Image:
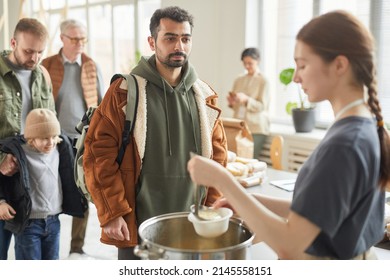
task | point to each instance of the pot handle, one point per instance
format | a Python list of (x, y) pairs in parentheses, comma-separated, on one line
[(242, 224), (146, 252)]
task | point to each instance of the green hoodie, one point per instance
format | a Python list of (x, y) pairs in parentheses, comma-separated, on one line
[(173, 130)]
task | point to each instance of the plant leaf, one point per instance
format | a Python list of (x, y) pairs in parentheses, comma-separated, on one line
[(286, 76), (290, 106)]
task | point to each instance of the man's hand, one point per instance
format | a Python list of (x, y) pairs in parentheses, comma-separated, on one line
[(6, 211), (117, 229), (9, 166)]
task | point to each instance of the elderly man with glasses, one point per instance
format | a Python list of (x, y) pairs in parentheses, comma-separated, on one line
[(77, 85)]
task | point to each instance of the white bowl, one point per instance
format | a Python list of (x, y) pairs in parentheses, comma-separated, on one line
[(213, 227)]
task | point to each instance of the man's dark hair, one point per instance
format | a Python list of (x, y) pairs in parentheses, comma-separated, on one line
[(174, 13), (251, 52)]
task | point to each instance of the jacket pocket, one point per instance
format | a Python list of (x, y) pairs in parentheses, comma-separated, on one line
[(8, 121), (46, 99), (5, 102)]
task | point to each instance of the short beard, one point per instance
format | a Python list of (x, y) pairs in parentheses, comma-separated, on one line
[(175, 64), (23, 65)]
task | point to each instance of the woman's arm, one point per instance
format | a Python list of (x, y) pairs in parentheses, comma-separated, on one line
[(280, 206), (288, 235)]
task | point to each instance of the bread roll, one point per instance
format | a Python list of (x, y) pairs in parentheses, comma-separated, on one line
[(256, 166), (232, 156), (238, 169), (253, 180), (245, 160)]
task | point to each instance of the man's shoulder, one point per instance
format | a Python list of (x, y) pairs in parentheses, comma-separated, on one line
[(86, 58), (4, 68), (51, 57), (45, 72), (141, 81), (203, 88)]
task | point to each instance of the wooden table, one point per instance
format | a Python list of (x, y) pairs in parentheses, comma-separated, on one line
[(268, 189)]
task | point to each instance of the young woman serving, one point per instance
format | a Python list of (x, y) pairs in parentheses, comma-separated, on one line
[(338, 204)]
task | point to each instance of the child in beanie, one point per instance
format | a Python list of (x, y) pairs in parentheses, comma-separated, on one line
[(45, 187), (42, 130)]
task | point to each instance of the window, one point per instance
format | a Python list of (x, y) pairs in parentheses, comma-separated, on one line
[(285, 18), (380, 25), (282, 21), (115, 38)]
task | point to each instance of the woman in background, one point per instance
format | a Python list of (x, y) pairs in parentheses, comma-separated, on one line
[(337, 210), (249, 99)]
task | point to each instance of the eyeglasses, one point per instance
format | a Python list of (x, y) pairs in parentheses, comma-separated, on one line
[(75, 40)]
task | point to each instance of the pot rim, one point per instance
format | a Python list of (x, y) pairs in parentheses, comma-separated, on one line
[(233, 219)]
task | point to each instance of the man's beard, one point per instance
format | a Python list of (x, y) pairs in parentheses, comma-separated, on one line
[(27, 65), (175, 63)]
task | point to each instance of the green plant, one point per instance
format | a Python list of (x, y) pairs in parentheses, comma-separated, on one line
[(286, 77)]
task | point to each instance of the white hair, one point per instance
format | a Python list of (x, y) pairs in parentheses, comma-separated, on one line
[(71, 23)]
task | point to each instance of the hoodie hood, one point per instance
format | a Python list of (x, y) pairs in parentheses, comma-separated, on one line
[(147, 69)]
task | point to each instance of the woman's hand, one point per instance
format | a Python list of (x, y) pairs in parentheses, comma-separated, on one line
[(232, 100), (242, 98), (222, 202), (204, 171)]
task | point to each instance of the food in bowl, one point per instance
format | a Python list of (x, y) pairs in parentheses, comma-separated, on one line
[(209, 214), (215, 224)]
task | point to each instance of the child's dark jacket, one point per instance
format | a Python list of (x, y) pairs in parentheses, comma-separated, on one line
[(15, 189)]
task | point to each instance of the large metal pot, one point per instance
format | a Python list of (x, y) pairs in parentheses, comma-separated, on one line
[(172, 236)]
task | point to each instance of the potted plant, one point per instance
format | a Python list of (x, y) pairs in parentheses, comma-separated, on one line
[(303, 116)]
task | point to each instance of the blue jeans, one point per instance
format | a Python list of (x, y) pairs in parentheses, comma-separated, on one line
[(5, 240), (40, 240)]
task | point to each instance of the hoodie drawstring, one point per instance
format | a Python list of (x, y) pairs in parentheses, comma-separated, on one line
[(192, 119), (167, 118), (168, 123)]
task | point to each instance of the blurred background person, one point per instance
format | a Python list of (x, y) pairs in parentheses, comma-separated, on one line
[(250, 100)]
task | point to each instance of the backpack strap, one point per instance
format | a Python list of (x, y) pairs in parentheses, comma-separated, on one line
[(131, 111)]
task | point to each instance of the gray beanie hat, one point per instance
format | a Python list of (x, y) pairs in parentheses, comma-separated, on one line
[(41, 123)]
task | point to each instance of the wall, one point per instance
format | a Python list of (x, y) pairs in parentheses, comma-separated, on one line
[(218, 40), (13, 16)]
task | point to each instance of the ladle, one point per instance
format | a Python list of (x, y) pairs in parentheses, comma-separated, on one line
[(195, 209)]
